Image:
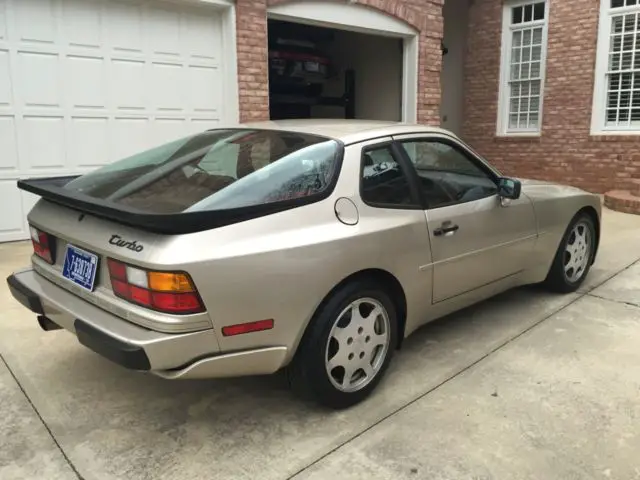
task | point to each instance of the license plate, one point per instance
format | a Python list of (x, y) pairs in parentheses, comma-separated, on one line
[(80, 267)]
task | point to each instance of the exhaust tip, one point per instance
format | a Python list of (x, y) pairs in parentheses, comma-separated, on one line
[(47, 324)]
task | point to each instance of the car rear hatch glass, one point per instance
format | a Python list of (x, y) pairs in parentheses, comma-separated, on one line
[(203, 181)]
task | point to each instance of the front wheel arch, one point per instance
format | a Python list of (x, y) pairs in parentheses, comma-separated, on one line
[(596, 222)]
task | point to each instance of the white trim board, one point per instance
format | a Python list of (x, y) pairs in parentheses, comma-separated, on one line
[(346, 16)]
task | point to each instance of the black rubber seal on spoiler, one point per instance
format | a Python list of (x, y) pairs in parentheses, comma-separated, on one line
[(124, 354), (52, 189), (24, 295)]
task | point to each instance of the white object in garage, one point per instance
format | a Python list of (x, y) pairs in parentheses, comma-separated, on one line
[(86, 82)]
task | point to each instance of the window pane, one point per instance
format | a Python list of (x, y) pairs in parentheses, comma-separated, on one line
[(536, 53), (517, 39), (535, 88), (614, 81), (616, 24), (623, 115), (447, 175), (383, 181), (533, 120), (627, 41), (528, 13), (629, 22), (537, 36), (534, 105), (514, 105), (614, 62), (535, 70), (515, 72), (516, 55), (616, 43), (522, 121), (538, 11), (516, 15), (617, 3)]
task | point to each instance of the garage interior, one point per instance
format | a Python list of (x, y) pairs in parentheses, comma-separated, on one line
[(318, 72)]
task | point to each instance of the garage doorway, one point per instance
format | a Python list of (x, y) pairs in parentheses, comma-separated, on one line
[(329, 60), (317, 72)]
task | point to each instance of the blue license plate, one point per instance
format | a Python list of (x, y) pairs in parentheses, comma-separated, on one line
[(80, 267)]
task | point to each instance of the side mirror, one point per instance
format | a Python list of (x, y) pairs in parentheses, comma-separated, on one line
[(509, 188)]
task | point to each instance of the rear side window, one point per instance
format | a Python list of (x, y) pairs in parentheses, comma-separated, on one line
[(384, 183), (218, 169)]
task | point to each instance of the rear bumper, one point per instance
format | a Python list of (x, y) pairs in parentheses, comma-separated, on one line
[(172, 356)]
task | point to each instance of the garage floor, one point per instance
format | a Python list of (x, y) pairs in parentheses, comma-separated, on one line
[(527, 385)]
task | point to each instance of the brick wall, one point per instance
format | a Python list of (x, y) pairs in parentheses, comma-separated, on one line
[(251, 22), (565, 151)]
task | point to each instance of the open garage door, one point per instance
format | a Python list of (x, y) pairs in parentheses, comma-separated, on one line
[(86, 82), (335, 60)]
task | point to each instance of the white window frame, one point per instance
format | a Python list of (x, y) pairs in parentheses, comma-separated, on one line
[(599, 110), (505, 69)]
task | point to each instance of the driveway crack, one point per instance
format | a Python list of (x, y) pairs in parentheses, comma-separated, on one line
[(623, 302), (55, 440)]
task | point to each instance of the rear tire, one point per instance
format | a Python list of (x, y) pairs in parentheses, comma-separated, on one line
[(574, 257), (347, 347)]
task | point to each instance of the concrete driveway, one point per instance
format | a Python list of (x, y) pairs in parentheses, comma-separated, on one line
[(526, 385)]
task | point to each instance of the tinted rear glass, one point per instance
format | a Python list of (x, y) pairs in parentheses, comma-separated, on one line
[(218, 169)]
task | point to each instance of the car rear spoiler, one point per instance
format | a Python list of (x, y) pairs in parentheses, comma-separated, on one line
[(52, 189)]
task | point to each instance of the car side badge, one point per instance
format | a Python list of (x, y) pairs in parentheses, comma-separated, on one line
[(346, 211)]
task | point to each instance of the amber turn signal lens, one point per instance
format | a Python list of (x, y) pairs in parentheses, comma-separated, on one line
[(170, 282)]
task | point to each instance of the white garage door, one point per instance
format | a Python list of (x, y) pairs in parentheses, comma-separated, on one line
[(83, 83)]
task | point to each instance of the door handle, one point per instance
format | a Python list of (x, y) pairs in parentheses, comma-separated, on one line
[(446, 230)]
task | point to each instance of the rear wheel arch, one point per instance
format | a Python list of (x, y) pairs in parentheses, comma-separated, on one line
[(390, 285)]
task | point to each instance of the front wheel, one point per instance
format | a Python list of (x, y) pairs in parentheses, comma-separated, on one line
[(574, 256), (347, 346)]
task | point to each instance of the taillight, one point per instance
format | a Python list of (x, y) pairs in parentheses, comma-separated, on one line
[(43, 245), (168, 292)]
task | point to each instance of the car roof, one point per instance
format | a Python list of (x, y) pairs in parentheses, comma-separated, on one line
[(347, 131)]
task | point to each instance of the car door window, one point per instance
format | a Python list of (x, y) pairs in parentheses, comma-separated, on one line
[(383, 181), (447, 175)]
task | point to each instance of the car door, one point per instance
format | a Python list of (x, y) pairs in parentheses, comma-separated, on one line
[(476, 237)]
